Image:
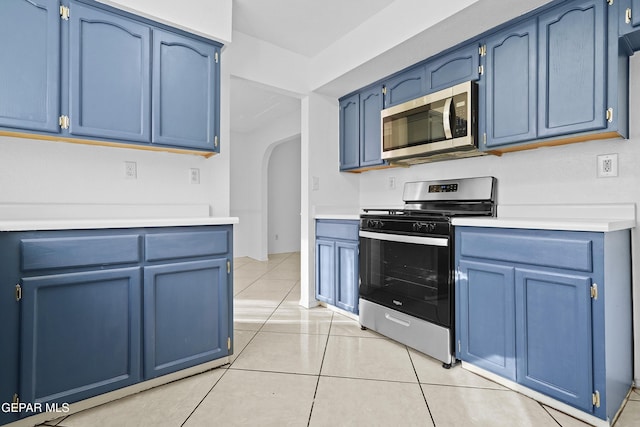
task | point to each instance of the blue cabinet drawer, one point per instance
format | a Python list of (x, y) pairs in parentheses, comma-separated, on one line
[(338, 229), (554, 249), (170, 245), (66, 252)]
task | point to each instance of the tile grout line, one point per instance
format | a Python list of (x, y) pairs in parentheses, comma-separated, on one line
[(324, 353), (415, 371), (226, 370)]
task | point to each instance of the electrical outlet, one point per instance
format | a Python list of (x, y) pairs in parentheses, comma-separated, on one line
[(607, 165), (391, 184), (130, 170), (194, 176)]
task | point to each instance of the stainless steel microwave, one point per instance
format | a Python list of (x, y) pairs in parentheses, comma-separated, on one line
[(437, 126)]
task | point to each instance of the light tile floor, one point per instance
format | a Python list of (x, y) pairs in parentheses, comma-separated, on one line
[(298, 367)]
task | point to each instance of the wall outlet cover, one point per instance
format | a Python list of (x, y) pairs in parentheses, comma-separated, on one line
[(130, 170), (607, 165)]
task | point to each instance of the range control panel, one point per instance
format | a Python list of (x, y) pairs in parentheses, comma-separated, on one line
[(443, 188)]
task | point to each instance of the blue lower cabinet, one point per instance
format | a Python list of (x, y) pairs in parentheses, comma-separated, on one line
[(346, 290), (337, 263), (80, 335), (486, 308), (185, 315), (92, 311), (554, 335), (533, 306), (325, 270)]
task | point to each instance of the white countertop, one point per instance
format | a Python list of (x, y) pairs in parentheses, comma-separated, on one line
[(93, 223), (338, 216), (596, 217)]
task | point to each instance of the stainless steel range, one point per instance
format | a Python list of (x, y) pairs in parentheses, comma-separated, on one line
[(406, 262)]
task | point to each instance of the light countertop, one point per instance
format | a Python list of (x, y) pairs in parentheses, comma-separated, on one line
[(94, 223), (355, 217), (596, 217)]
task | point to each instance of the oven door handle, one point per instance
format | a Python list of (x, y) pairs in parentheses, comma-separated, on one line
[(401, 238)]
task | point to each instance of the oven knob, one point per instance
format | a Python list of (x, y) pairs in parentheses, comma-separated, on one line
[(371, 223), (431, 226), (380, 224)]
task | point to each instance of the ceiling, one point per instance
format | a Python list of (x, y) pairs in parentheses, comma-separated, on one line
[(306, 27)]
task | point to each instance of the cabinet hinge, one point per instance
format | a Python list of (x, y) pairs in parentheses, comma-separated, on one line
[(216, 57), (481, 69), (627, 16), (384, 90), (228, 267), (459, 347), (482, 50), (64, 122), (64, 13), (228, 343), (609, 115), (594, 291), (215, 141), (595, 399), (610, 2), (18, 292), (15, 399), (484, 138)]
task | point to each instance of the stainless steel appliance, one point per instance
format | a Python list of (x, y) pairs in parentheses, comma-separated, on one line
[(406, 262), (438, 126)]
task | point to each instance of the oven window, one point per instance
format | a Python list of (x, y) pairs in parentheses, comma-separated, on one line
[(408, 277)]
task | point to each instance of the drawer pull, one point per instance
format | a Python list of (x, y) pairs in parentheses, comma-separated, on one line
[(395, 320)]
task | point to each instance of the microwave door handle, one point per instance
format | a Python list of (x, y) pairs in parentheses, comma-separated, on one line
[(446, 118)]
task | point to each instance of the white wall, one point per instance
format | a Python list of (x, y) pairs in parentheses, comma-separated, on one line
[(208, 18), (284, 198), (249, 178), (33, 171)]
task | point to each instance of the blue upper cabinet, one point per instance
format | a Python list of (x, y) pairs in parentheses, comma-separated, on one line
[(371, 104), (91, 72), (452, 68), (110, 84), (629, 23), (30, 71), (405, 86), (350, 132), (572, 68), (510, 77), (185, 91)]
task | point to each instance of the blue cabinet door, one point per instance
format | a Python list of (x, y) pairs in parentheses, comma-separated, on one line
[(185, 315), (325, 270), (186, 84), (110, 77), (510, 69), (486, 313), (456, 67), (572, 37), (350, 132), (554, 347), (80, 334), (371, 103), (405, 86), (30, 71), (346, 293)]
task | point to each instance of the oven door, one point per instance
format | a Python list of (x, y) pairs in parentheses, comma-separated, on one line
[(410, 274)]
